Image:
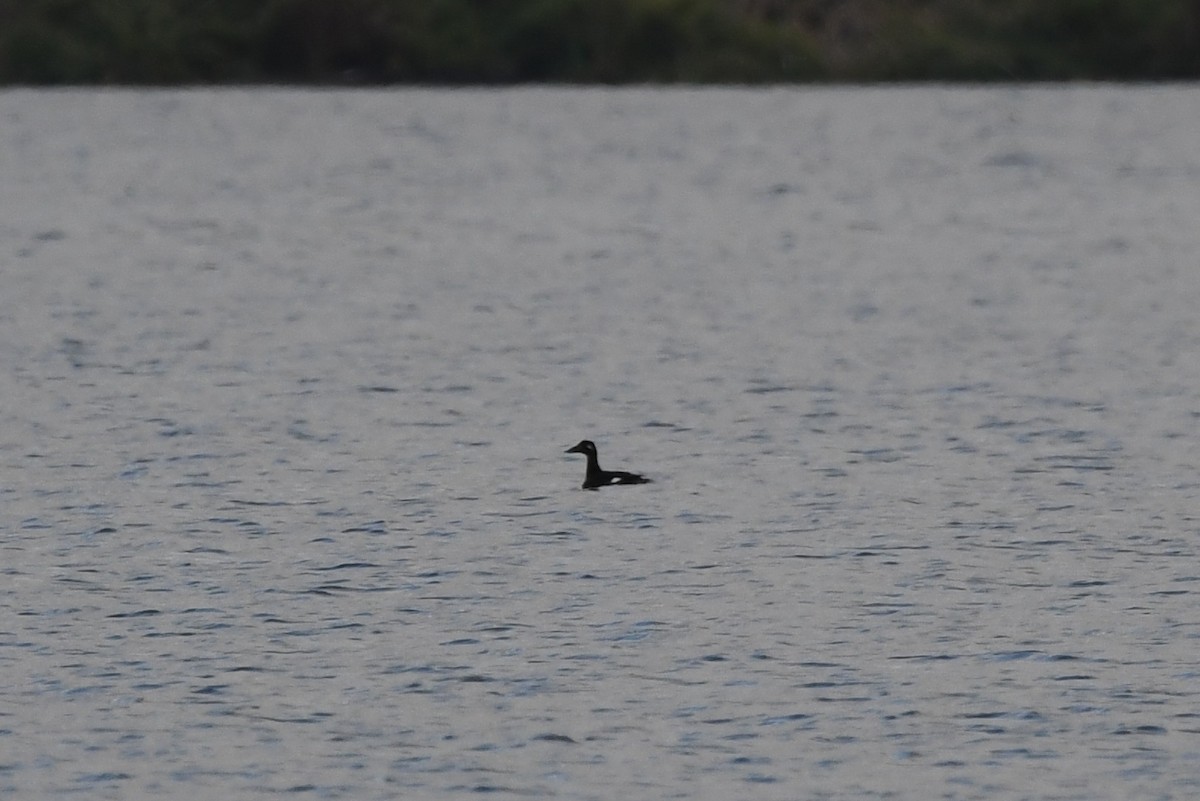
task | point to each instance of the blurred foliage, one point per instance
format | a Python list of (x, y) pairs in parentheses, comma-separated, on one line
[(1029, 40), (593, 41)]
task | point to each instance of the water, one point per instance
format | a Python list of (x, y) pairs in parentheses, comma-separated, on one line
[(288, 376)]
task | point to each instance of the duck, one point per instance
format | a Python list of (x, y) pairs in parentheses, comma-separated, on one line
[(597, 478)]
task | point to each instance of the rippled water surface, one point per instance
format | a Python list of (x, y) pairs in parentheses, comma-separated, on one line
[(288, 377)]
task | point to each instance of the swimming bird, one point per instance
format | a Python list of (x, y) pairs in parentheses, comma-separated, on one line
[(596, 477)]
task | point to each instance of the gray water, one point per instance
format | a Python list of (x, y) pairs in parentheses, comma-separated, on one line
[(287, 378)]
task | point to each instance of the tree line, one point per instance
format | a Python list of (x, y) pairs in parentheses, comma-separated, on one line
[(162, 42)]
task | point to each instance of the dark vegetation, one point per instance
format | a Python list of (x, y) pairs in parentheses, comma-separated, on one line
[(593, 41)]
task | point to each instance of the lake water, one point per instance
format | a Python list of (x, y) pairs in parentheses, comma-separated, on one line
[(288, 376)]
